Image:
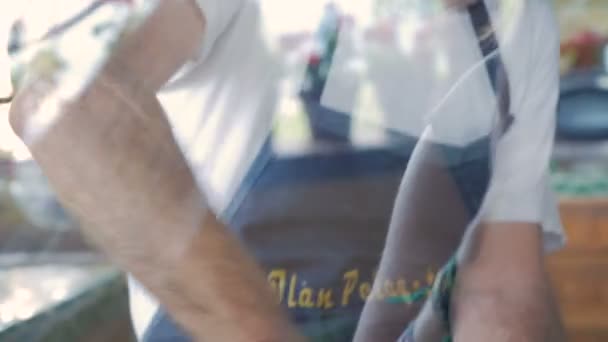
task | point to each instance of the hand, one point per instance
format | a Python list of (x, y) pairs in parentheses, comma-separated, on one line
[(107, 147), (111, 158)]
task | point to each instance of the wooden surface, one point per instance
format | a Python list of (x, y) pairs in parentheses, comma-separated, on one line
[(580, 271)]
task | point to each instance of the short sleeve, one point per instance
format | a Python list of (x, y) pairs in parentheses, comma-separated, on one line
[(218, 15), (519, 190)]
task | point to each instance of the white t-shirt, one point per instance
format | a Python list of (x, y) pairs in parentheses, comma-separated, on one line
[(428, 76)]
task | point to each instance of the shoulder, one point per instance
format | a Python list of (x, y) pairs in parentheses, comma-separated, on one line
[(525, 20), (530, 39), (540, 23)]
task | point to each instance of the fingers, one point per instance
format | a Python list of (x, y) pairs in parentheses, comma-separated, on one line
[(25, 114), (5, 100)]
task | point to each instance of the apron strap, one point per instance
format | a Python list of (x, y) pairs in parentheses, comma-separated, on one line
[(497, 73)]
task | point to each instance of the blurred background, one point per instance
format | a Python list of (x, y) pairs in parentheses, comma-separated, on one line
[(54, 287)]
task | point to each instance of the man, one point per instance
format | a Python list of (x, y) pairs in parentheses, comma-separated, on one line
[(111, 156)]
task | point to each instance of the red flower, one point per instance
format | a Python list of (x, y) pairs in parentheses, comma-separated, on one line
[(314, 59)]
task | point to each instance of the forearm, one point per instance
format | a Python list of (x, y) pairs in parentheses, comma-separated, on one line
[(503, 292), (216, 291), (171, 240), (122, 174), (111, 157), (418, 240), (505, 315), (208, 282)]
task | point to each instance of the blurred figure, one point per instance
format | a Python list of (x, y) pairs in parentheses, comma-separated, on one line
[(198, 77), (326, 125)]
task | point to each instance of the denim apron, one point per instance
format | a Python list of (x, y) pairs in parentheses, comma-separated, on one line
[(303, 219), (282, 236)]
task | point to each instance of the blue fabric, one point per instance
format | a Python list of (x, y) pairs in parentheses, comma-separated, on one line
[(163, 329)]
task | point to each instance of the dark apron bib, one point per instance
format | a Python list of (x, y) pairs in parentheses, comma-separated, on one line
[(317, 223)]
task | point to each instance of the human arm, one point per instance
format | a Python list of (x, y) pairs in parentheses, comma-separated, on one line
[(503, 291), (111, 157), (504, 256), (517, 202)]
